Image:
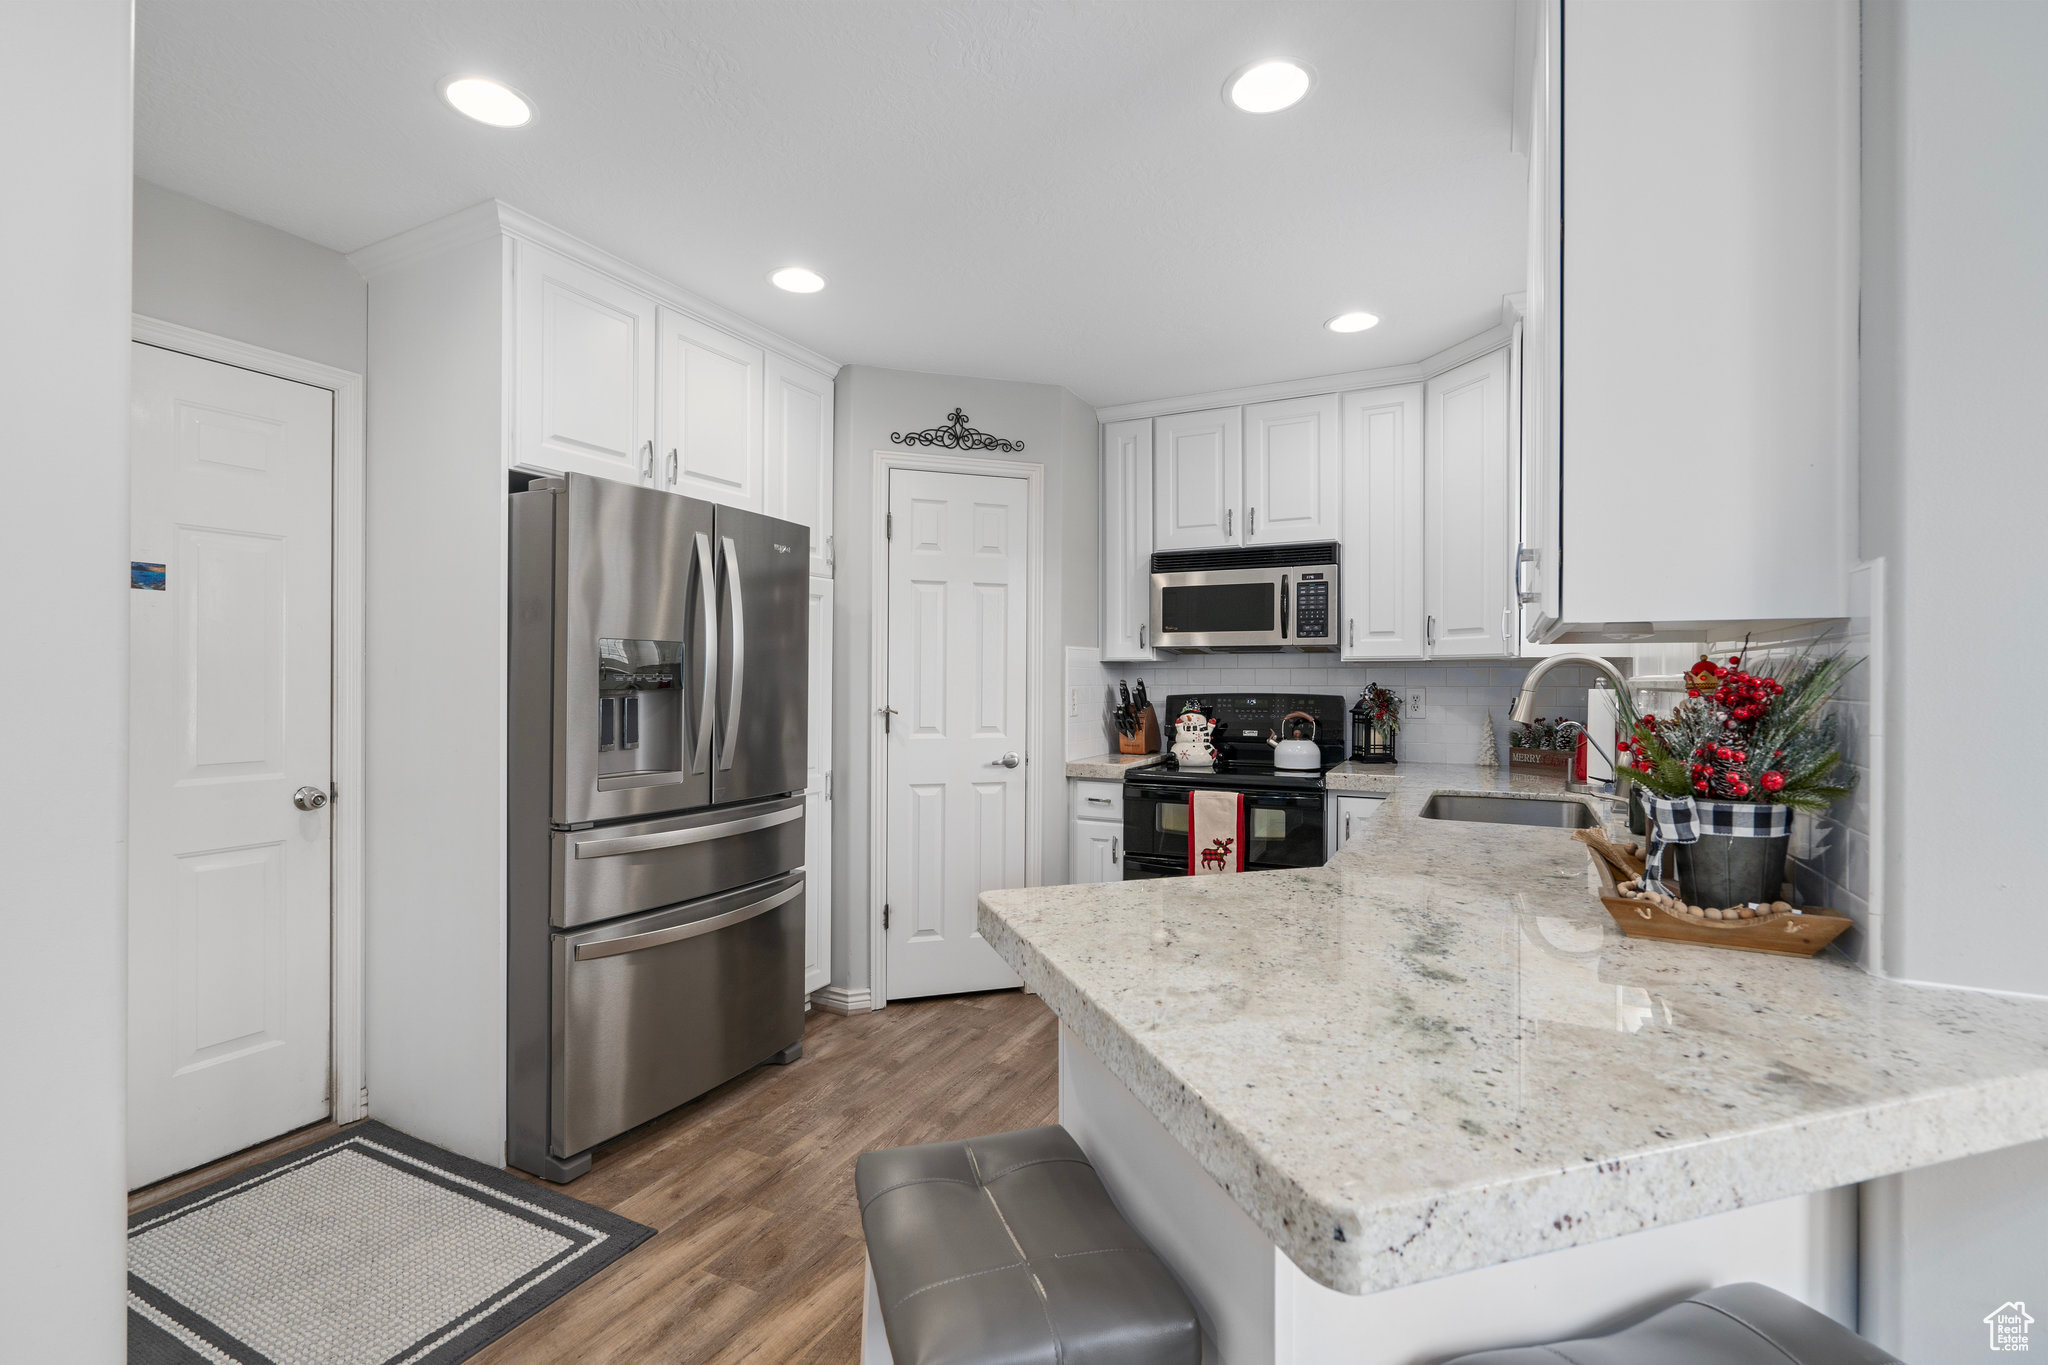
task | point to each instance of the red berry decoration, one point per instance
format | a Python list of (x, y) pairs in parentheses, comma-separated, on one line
[(1699, 786), (1774, 781)]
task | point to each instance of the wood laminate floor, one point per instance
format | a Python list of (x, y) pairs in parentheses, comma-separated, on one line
[(757, 1248)]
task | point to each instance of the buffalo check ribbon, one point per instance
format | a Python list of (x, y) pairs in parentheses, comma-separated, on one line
[(1682, 820)]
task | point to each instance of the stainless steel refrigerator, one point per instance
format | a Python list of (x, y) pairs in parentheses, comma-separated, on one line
[(655, 916)]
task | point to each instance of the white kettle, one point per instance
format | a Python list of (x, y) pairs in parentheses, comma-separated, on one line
[(1297, 754)]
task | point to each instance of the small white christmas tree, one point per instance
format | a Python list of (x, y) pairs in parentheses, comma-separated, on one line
[(1489, 745)]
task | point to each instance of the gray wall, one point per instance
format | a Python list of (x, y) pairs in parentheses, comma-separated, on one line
[(1955, 284), (1058, 431), (210, 269), (64, 97)]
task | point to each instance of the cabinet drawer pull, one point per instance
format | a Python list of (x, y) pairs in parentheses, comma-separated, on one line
[(1098, 800)]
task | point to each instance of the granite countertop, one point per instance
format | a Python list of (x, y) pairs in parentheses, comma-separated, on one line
[(1437, 1052), (1109, 767)]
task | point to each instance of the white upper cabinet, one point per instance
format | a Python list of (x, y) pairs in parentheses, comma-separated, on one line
[(708, 428), (1467, 519), (1382, 528), (1126, 540), (1293, 470), (584, 357), (799, 454), (1198, 479), (1657, 194)]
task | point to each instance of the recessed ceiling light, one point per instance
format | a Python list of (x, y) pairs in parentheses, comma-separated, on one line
[(797, 280), (1268, 87), (1352, 322), (486, 101)]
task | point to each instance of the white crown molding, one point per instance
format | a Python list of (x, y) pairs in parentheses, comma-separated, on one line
[(1492, 339), (497, 218)]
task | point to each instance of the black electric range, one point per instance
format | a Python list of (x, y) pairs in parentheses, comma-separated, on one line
[(1284, 807)]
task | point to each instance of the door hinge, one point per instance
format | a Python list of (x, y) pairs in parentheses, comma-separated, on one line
[(828, 784), (888, 526), (831, 559), (885, 918)]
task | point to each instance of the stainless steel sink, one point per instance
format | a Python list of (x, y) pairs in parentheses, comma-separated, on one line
[(1547, 812)]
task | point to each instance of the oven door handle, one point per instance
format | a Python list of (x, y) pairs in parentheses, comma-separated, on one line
[(633, 943), (679, 838)]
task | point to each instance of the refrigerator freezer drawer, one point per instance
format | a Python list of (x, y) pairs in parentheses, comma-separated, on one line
[(600, 874), (655, 1010)]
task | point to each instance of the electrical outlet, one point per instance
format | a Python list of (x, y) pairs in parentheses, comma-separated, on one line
[(1418, 704), (1073, 701)]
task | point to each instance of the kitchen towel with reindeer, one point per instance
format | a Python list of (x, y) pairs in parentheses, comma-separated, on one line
[(1215, 832)]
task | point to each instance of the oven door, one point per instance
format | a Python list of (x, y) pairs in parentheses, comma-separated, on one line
[(1218, 608), (1282, 828)]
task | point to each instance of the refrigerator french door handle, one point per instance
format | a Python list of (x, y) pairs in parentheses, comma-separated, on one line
[(678, 838), (707, 575), (739, 651), (634, 943)]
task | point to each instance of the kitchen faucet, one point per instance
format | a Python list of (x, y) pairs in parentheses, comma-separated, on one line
[(1525, 700)]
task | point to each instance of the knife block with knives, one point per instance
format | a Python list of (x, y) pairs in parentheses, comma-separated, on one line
[(1137, 728)]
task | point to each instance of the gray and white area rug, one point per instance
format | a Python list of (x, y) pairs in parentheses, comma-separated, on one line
[(366, 1248)]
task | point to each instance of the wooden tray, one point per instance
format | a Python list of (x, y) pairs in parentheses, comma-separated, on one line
[(1800, 935)]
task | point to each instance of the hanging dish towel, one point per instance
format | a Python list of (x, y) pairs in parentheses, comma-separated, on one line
[(1215, 833)]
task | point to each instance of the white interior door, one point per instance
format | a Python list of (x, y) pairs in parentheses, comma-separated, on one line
[(957, 678), (229, 715)]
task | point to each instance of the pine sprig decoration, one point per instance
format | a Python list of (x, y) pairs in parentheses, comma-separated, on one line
[(1761, 734)]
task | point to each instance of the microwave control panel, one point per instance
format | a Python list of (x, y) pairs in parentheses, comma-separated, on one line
[(1312, 608)]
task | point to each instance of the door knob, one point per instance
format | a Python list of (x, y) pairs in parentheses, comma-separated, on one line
[(1009, 760), (309, 798)]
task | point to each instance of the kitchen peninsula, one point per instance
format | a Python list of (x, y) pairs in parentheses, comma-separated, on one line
[(1427, 1099)]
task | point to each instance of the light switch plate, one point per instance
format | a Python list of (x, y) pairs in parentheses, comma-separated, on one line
[(1418, 704)]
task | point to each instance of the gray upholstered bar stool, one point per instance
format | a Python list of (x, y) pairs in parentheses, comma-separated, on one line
[(1736, 1324), (1007, 1248)]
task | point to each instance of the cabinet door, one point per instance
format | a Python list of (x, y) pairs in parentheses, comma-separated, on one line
[(1344, 814), (1198, 480), (1382, 596), (1469, 541), (799, 454), (1126, 540), (818, 795), (583, 363), (1293, 470), (1097, 852), (709, 430)]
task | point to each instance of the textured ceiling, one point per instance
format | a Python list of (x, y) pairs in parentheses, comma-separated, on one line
[(1018, 190)]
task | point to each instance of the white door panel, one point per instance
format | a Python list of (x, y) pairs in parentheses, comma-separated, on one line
[(799, 454), (1383, 541), (818, 796), (1470, 536), (1127, 515), (709, 423), (1293, 470), (585, 396), (229, 714), (957, 604), (1198, 477)]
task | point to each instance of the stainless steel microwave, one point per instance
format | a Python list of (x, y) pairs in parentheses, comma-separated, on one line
[(1246, 597)]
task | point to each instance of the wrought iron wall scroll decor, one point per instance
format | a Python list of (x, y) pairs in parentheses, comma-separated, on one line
[(957, 435)]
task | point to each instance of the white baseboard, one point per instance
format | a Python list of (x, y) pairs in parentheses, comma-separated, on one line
[(843, 999)]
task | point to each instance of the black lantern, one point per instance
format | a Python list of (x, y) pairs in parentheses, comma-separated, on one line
[(1372, 741)]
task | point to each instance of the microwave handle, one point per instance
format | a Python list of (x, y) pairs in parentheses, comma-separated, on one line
[(1283, 606)]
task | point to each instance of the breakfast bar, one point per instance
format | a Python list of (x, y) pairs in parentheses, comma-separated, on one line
[(1349, 1105)]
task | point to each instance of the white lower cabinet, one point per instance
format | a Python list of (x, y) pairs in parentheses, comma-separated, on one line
[(1097, 852), (1343, 816), (1095, 844)]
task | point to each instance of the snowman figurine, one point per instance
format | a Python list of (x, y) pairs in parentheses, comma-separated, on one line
[(1191, 746)]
